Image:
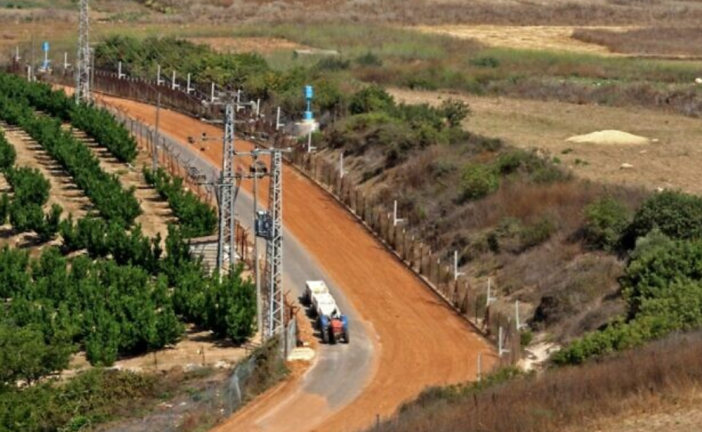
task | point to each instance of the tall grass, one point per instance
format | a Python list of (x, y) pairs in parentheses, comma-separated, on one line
[(561, 398)]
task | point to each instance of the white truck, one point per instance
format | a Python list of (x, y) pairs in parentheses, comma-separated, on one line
[(333, 325)]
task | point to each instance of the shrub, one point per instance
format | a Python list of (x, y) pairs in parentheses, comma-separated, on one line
[(605, 222), (536, 234), (369, 59), (455, 111), (8, 155), (370, 99), (478, 181), (485, 62), (676, 214)]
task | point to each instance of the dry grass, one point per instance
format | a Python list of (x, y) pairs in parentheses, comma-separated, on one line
[(562, 398), (682, 42)]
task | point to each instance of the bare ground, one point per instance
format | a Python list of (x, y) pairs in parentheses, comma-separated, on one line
[(671, 161), (156, 214), (550, 38)]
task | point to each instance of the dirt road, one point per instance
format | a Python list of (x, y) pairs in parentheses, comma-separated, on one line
[(419, 342)]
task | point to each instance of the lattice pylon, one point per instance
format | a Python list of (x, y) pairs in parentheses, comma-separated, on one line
[(226, 245), (275, 307)]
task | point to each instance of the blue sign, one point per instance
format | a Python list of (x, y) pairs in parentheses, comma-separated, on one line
[(309, 93), (45, 47)]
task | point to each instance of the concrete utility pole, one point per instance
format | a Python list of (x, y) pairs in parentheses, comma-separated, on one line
[(157, 137), (83, 63)]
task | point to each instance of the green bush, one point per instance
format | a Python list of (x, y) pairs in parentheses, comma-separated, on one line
[(605, 222), (455, 111), (369, 59), (478, 181), (8, 155), (371, 99), (231, 307), (677, 215), (536, 234), (663, 289)]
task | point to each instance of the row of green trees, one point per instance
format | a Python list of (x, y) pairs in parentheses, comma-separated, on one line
[(98, 123), (30, 194), (104, 190), (195, 217)]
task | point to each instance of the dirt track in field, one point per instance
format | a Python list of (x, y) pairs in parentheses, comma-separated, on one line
[(420, 341)]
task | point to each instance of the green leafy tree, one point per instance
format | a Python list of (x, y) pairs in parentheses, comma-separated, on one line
[(478, 181), (371, 99), (605, 223), (26, 356)]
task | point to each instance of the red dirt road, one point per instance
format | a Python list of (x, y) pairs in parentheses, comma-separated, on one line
[(420, 341)]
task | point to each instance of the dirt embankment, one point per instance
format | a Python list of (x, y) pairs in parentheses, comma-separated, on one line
[(420, 342)]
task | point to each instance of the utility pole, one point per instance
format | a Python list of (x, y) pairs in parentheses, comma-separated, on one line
[(227, 231), (83, 60), (274, 248), (157, 137), (257, 265)]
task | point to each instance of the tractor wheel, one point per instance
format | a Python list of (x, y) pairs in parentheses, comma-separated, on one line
[(346, 336), (332, 337), (325, 335)]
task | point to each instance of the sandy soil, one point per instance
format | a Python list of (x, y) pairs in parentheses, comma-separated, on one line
[(156, 214), (420, 341), (253, 44), (551, 38), (610, 137), (196, 349), (671, 161)]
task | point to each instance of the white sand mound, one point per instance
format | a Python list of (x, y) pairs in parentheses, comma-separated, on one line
[(610, 137)]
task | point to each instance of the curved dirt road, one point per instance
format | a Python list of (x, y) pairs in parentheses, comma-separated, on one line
[(419, 341)]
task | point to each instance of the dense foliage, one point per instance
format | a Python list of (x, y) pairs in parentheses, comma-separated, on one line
[(204, 64), (663, 289), (106, 308), (96, 122), (104, 190), (605, 224), (195, 217), (675, 214)]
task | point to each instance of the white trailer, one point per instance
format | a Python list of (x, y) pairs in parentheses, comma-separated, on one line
[(331, 322)]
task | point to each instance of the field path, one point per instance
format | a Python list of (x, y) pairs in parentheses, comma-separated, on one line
[(418, 340)]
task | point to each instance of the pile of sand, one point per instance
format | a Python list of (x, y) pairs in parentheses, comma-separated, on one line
[(610, 137)]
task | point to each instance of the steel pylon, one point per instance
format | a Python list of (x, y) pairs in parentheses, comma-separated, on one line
[(275, 318), (226, 244)]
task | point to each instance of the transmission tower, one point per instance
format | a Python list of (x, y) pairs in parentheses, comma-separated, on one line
[(274, 248), (83, 58), (227, 232)]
